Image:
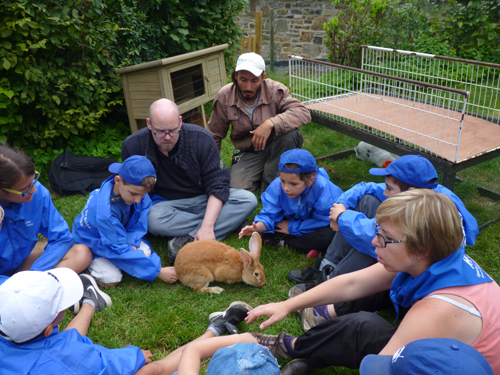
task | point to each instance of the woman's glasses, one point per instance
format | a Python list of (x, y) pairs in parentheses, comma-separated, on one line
[(382, 241)]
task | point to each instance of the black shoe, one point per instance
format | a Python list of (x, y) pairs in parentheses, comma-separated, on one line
[(175, 244), (92, 291), (307, 275), (297, 366), (275, 343), (221, 322)]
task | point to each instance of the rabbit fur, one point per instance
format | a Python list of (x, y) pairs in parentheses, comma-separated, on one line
[(199, 263)]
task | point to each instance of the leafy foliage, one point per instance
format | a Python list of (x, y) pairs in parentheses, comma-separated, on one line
[(57, 61), (448, 29)]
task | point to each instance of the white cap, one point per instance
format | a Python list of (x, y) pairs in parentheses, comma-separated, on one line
[(31, 300), (251, 62)]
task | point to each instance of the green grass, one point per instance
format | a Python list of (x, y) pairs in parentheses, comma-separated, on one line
[(161, 317)]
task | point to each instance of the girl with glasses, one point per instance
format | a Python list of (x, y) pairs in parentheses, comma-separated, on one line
[(29, 211)]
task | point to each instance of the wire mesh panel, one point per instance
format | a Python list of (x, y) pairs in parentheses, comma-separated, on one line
[(481, 80), (423, 116)]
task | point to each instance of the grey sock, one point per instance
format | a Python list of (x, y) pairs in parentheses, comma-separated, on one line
[(89, 301)]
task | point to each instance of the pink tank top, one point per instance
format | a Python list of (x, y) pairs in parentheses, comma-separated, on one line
[(486, 298)]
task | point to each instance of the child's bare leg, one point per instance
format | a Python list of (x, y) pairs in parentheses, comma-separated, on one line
[(81, 322), (77, 258)]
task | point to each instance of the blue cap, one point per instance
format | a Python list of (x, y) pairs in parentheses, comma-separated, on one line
[(428, 357), (412, 169), (303, 158), (134, 169), (247, 359)]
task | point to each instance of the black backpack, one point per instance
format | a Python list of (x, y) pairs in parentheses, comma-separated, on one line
[(72, 174)]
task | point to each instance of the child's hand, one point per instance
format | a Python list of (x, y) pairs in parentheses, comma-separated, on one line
[(148, 355), (282, 227), (168, 275), (248, 230)]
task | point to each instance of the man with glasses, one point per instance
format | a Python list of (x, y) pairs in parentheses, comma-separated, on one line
[(353, 217), (192, 199), (264, 121)]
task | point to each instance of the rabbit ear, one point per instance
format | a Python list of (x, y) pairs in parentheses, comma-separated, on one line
[(246, 258), (255, 244)]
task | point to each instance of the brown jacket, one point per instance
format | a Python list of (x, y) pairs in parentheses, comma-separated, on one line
[(274, 103)]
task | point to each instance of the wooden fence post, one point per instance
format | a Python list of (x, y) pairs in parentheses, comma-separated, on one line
[(258, 32)]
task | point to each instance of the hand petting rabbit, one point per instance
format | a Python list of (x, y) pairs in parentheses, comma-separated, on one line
[(201, 262)]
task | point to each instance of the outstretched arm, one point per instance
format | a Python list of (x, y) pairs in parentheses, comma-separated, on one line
[(342, 288)]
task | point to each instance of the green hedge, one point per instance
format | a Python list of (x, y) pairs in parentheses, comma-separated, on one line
[(57, 60)]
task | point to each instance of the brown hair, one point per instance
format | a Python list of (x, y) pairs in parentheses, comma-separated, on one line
[(304, 176), (14, 164), (148, 182), (429, 221), (403, 186)]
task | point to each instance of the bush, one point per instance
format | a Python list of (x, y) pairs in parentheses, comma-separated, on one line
[(57, 61)]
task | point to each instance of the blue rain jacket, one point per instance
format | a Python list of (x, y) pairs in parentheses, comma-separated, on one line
[(103, 232), (67, 353), (20, 228), (306, 212), (359, 231)]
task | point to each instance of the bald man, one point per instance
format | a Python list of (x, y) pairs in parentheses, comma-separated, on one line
[(192, 199)]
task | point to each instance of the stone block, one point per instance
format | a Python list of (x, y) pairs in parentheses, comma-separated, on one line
[(306, 37), (312, 49), (291, 50), (318, 23), (318, 40), (288, 6), (281, 25), (330, 12), (281, 12), (293, 35), (295, 11), (308, 22)]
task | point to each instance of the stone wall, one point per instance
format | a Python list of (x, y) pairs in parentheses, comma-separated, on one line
[(298, 26)]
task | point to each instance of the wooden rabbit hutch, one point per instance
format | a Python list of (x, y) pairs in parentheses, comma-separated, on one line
[(190, 80), (445, 109)]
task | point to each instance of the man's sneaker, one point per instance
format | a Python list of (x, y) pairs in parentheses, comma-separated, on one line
[(307, 316), (275, 343), (175, 244), (307, 275), (92, 291), (221, 322)]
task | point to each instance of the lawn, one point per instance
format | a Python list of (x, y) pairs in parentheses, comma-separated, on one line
[(161, 317)]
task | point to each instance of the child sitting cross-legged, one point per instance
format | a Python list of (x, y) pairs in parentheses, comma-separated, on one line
[(113, 224), (296, 205)]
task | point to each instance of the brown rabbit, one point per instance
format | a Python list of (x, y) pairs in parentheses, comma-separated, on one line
[(201, 262)]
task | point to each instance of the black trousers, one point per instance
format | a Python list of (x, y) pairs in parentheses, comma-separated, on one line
[(344, 341), (318, 240)]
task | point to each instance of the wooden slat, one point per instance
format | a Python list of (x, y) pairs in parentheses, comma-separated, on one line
[(153, 95), (144, 87), (144, 77)]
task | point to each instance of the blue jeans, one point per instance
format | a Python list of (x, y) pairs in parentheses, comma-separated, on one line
[(184, 216)]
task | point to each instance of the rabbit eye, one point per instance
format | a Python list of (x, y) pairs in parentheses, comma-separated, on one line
[(256, 274)]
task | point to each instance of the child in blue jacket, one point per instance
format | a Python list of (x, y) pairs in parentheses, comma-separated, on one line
[(32, 304), (113, 224), (296, 205), (29, 211)]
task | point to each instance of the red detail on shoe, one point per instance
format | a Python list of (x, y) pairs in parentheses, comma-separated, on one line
[(313, 254)]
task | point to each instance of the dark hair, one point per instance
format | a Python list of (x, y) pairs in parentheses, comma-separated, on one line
[(233, 76), (403, 186), (14, 164), (304, 176)]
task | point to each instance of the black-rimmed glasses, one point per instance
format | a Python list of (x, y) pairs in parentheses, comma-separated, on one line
[(382, 241)]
